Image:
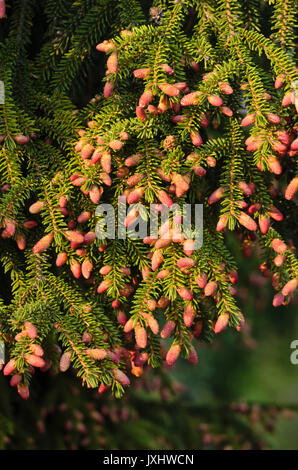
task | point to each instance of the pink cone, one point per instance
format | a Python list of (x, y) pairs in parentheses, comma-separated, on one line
[(221, 323)]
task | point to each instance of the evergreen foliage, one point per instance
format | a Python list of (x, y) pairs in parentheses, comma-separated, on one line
[(197, 105)]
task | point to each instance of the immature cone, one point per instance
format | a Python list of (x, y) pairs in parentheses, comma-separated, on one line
[(278, 300), (30, 330), (15, 380), (181, 184), (279, 81), (96, 354), (273, 118), (157, 259), (108, 89), (216, 195), (274, 165), (141, 73), (153, 109), (63, 201), (115, 144), (35, 361), (247, 222), (106, 179), (86, 337), (133, 160), (87, 267), (2, 9), (135, 195), (87, 151), (196, 139), (167, 329), (20, 336), (103, 286), (185, 293), (233, 276), (151, 304), (189, 315), (106, 162), (102, 389), (164, 198), (96, 156), (215, 100), (201, 280), (248, 120), (21, 241), (188, 246), (170, 142), (36, 349), (189, 99), (89, 237), (121, 377), (182, 86), (241, 322), (10, 227), (279, 260), (75, 268), (105, 46), (104, 270), (170, 90), (121, 318), (141, 336), (294, 145), (122, 171), (254, 145), (131, 218), (129, 325), (222, 223), (23, 391), (279, 148), (36, 207), (84, 217), (65, 361), (287, 99), (283, 137), (153, 324), (193, 357), (112, 62), (163, 302), (275, 214), (135, 179), (210, 288), (140, 359), (225, 88), (173, 354), (167, 69), (226, 111), (10, 367), (185, 263), (278, 245), (290, 287), (75, 237), (178, 118), (292, 188), (264, 223), (95, 194), (199, 171), (146, 98), (140, 113), (78, 180), (221, 323), (21, 139)]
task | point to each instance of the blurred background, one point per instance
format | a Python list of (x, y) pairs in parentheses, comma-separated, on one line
[(241, 395)]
